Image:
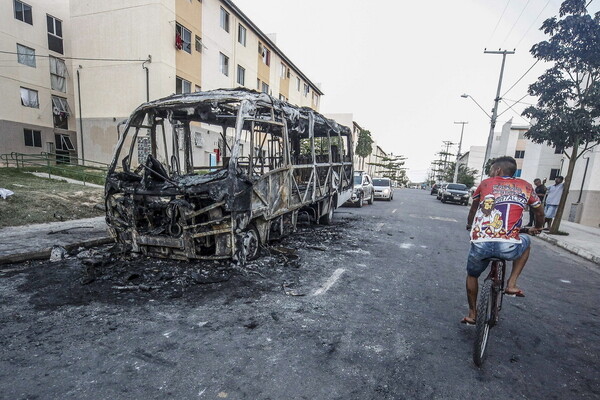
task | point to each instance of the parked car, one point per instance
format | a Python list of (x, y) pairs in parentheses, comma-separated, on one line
[(383, 188), (456, 193), (441, 190), (363, 189)]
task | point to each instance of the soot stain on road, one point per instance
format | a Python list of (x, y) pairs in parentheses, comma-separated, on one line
[(105, 275)]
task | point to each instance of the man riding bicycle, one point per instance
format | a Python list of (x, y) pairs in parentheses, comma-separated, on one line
[(495, 220)]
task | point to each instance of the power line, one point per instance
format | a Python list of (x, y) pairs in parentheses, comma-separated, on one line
[(510, 107), (74, 58), (522, 76), (499, 19), (534, 21), (515, 24)]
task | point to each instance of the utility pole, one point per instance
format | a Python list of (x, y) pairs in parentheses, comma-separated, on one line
[(488, 147), (463, 123), (447, 143)]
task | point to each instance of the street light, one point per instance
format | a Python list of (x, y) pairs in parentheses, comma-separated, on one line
[(464, 96)]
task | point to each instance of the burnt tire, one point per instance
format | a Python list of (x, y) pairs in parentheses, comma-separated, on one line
[(483, 323), (251, 243), (327, 219)]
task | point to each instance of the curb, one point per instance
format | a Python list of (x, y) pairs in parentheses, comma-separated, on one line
[(45, 253), (570, 248)]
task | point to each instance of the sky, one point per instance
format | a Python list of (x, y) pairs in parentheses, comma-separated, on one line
[(400, 67)]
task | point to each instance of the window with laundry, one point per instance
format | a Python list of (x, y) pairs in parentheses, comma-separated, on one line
[(25, 55), (61, 112), (224, 64), (58, 74), (264, 53), (183, 38), (55, 34), (29, 98)]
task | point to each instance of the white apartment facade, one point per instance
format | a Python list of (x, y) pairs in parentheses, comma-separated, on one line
[(36, 79), (125, 52)]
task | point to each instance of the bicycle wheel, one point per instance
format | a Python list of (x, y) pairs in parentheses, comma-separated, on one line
[(483, 322)]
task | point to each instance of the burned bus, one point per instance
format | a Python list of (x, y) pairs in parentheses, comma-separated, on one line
[(269, 162)]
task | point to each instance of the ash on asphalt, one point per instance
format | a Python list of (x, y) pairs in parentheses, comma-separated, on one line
[(103, 274)]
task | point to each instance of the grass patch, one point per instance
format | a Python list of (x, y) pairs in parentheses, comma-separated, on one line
[(78, 172), (38, 200)]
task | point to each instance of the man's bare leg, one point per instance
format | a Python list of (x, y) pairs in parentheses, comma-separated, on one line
[(517, 267), (472, 289)]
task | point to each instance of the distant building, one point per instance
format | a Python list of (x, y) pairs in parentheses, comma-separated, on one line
[(545, 162), (473, 159)]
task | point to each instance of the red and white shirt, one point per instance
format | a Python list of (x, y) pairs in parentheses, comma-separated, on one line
[(502, 201)]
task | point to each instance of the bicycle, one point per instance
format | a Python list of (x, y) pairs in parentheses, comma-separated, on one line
[(488, 307), (489, 304)]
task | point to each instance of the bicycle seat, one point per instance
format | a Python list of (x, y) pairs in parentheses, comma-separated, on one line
[(495, 259)]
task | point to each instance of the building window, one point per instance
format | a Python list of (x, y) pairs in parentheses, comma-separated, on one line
[(63, 142), (558, 149), (32, 138), (25, 55), (517, 173), (257, 84), (265, 88), (58, 74), (61, 112), (199, 44), (282, 97), (284, 71), (197, 88), (224, 64), (224, 19), (520, 154), (182, 86), (55, 42), (241, 75), (23, 12), (29, 98), (306, 90), (242, 35), (554, 172), (317, 100), (264, 53), (183, 38)]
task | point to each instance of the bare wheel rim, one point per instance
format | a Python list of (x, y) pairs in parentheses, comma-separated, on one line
[(251, 243)]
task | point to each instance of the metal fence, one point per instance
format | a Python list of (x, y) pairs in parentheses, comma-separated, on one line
[(62, 165)]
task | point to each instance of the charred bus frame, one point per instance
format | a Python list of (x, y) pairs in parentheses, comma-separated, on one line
[(279, 161)]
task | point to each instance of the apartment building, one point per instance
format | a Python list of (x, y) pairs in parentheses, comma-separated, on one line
[(473, 159), (545, 162), (36, 79), (125, 52)]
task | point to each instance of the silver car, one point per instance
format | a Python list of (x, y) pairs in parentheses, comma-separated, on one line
[(383, 188)]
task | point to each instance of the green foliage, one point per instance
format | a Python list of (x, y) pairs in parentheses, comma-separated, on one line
[(364, 143), (391, 167), (568, 93), (466, 175)]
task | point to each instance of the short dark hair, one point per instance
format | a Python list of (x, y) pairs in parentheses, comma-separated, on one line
[(560, 177), (507, 164)]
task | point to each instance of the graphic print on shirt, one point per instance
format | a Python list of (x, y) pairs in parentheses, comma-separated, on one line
[(499, 216)]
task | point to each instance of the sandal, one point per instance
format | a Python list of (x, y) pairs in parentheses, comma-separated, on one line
[(468, 321)]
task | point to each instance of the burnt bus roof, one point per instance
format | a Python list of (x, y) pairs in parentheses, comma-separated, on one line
[(203, 104)]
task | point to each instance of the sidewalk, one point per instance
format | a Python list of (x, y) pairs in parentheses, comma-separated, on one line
[(34, 242), (582, 240)]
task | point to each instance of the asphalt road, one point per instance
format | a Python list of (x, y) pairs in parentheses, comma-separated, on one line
[(368, 308)]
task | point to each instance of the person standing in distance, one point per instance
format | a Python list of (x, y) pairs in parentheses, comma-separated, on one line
[(553, 195), (540, 190)]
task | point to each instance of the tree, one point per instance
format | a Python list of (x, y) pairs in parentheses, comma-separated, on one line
[(391, 167), (568, 105), (466, 175), (364, 145)]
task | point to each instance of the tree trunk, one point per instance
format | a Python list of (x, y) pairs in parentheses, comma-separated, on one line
[(567, 185)]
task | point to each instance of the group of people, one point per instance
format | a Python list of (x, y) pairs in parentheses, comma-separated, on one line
[(495, 223), (550, 197)]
